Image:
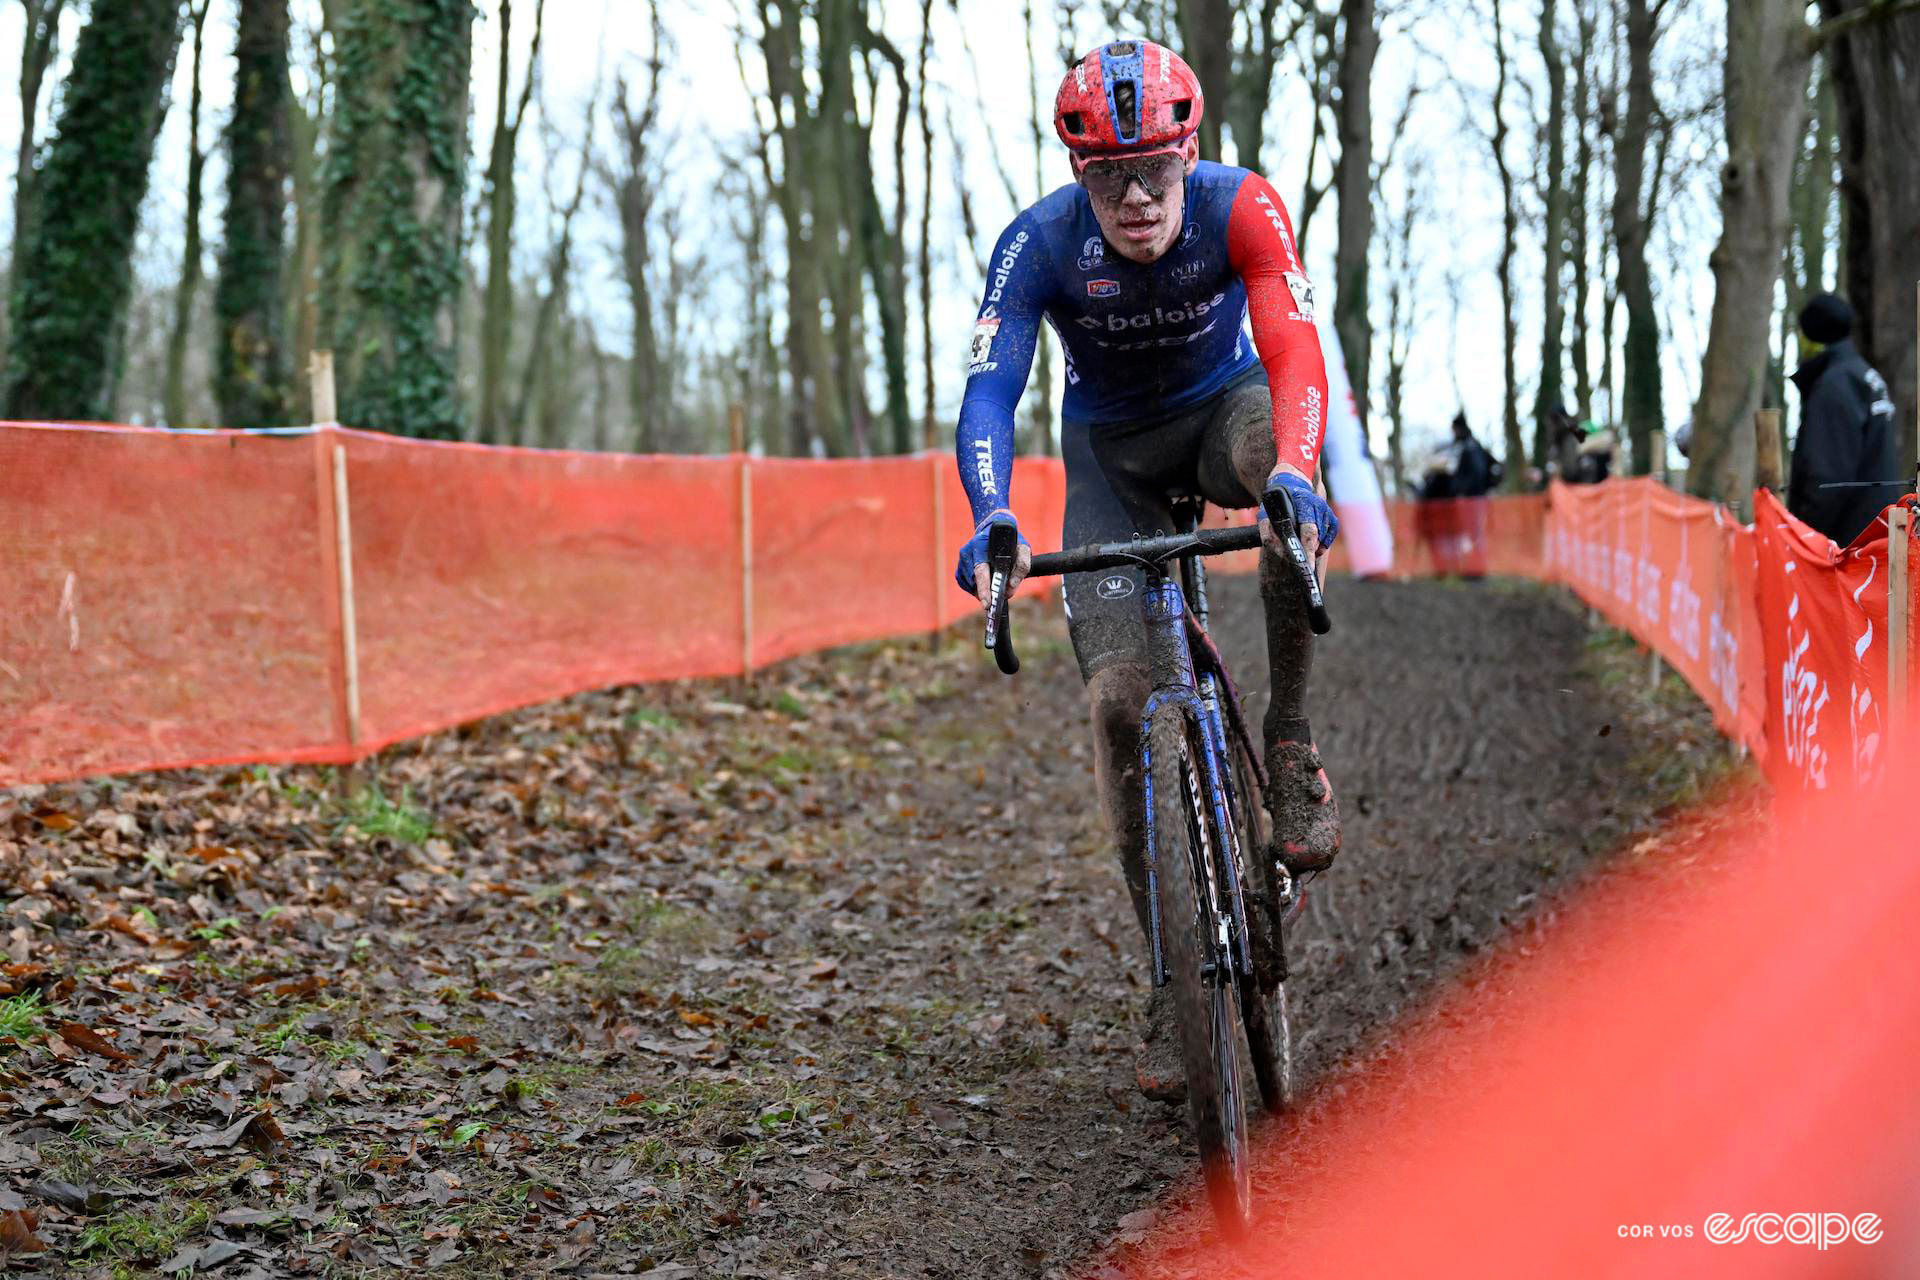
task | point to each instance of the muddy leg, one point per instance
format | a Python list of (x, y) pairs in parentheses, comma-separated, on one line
[(1306, 818), (1289, 650), (1117, 694)]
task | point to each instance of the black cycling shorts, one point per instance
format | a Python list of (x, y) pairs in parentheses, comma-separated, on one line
[(1120, 481)]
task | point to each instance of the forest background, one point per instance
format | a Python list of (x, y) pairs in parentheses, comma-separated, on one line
[(604, 224)]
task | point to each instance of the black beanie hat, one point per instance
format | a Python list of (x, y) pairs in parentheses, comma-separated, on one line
[(1826, 318)]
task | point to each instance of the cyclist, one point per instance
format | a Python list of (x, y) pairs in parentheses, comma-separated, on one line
[(1149, 266)]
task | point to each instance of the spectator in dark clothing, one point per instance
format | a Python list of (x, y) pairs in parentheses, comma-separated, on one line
[(1472, 465), (1846, 428)]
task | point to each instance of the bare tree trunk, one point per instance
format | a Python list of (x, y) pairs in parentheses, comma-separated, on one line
[(1043, 402), (634, 192), (1246, 112), (1553, 234), (251, 381), (39, 46), (1353, 180), (303, 265), (1516, 448), (1403, 292), (1767, 65), (1876, 75), (1581, 209), (885, 247), (1641, 410), (1206, 42), (815, 408), (559, 275), (175, 396), (1810, 200), (496, 319), (927, 430), (600, 411), (1321, 72)]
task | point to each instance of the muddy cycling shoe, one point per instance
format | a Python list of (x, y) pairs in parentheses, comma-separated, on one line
[(1306, 819), (1156, 1064)]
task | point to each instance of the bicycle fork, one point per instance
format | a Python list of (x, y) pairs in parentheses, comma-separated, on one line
[(1172, 659)]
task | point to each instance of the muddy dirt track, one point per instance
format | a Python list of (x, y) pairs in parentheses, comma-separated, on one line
[(833, 975)]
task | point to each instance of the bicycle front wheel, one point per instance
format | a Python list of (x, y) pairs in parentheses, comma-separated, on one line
[(1187, 860)]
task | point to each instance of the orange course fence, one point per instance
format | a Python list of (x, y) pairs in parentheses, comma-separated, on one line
[(177, 599)]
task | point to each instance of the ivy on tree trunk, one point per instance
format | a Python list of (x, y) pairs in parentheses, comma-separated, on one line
[(394, 178), (74, 272)]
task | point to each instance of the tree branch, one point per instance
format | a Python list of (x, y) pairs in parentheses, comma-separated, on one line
[(1875, 11)]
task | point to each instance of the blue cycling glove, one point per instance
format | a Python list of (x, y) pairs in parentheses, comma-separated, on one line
[(1308, 507), (974, 551)]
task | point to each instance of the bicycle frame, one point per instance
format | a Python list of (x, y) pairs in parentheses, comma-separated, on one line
[(1198, 691)]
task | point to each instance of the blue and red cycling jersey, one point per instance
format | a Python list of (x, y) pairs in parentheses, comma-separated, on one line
[(1144, 341)]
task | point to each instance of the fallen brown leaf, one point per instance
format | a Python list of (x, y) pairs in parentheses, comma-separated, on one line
[(92, 1041)]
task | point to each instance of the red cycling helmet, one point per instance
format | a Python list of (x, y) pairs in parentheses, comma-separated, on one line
[(1127, 98)]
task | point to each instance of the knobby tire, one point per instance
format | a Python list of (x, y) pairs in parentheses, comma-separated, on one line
[(1263, 997), (1208, 1015)]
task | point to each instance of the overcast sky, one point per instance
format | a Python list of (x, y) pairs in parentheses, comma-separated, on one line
[(983, 73)]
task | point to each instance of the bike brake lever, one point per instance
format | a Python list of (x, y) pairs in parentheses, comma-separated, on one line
[(1279, 507), (1003, 547)]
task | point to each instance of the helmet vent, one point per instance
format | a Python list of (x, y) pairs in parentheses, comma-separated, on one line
[(1126, 105), (1071, 120), (1182, 110), (1122, 49)]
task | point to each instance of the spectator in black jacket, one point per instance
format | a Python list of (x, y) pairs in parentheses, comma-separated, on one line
[(1472, 465), (1846, 427)]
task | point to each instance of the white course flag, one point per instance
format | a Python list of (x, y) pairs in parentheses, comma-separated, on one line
[(1354, 487)]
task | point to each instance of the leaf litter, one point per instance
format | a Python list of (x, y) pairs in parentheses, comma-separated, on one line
[(827, 974)]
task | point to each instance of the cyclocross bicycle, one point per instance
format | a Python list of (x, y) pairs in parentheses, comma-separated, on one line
[(1217, 909)]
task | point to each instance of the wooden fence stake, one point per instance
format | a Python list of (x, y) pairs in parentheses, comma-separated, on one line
[(1768, 471), (1657, 455), (746, 568), (349, 637), (326, 412)]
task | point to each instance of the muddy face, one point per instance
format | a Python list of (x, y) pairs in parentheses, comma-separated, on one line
[(1139, 225)]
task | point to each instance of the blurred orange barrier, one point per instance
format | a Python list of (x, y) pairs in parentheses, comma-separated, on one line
[(1837, 646), (1701, 1067), (1470, 537), (176, 599), (1678, 574)]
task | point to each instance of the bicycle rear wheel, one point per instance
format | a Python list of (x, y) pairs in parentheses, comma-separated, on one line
[(1263, 997), (1207, 1008)]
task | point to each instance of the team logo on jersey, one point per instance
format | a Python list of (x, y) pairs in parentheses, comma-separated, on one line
[(1302, 290), (1191, 234), (980, 357), (1186, 273), (1092, 253), (1115, 588), (1103, 288)]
